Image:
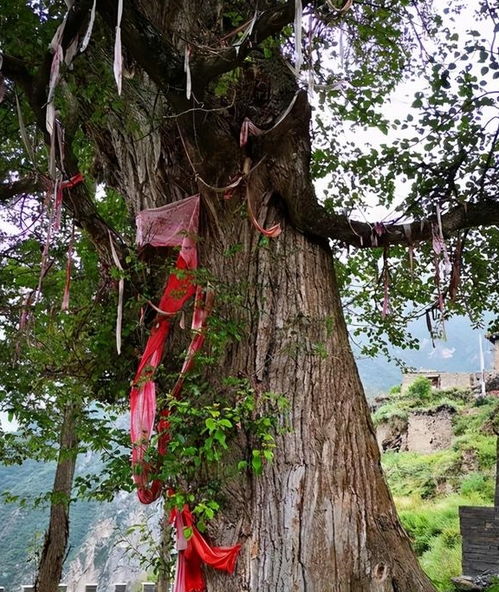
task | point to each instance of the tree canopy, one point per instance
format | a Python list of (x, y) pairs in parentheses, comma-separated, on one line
[(436, 168), (111, 107)]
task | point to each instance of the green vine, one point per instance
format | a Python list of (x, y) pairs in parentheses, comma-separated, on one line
[(203, 425)]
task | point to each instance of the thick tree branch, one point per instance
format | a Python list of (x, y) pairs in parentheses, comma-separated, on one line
[(28, 185), (268, 23), (291, 180), (15, 69), (319, 222), (154, 54), (165, 64)]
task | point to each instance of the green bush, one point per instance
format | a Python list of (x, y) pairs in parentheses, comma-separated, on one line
[(420, 391), (478, 417), (484, 447), (445, 401), (419, 528), (479, 484), (494, 585), (395, 391), (411, 473), (389, 412), (457, 394)]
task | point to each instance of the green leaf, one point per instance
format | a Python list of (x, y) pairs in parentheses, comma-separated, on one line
[(211, 424), (256, 463)]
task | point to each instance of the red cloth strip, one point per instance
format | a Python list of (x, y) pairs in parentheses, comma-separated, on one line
[(172, 225), (194, 551), (58, 189)]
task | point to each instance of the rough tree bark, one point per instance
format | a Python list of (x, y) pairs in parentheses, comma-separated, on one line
[(56, 538)]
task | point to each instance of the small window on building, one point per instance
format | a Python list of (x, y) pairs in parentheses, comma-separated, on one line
[(435, 381)]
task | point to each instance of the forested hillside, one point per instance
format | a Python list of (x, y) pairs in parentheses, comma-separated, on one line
[(103, 545)]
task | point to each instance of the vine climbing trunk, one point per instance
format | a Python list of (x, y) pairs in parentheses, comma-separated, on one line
[(56, 538)]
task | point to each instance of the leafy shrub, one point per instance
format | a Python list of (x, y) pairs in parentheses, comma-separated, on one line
[(420, 391), (494, 585), (445, 402), (477, 416), (477, 483), (395, 391), (457, 394), (389, 412), (484, 447), (411, 473)]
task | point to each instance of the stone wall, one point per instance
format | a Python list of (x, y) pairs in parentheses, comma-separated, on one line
[(430, 432), (446, 380), (422, 432)]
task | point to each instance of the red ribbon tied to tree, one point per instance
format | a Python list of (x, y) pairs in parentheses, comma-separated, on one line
[(193, 550), (174, 225)]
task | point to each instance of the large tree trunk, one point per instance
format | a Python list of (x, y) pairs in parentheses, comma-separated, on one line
[(320, 518), (56, 538)]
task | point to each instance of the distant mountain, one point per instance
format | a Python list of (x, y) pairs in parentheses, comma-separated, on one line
[(458, 353), (99, 544)]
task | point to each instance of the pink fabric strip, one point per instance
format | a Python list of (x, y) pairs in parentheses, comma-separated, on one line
[(174, 225)]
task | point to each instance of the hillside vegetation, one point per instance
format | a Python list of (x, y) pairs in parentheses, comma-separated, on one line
[(429, 488)]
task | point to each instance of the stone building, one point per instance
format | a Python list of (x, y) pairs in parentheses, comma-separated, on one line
[(446, 380), (463, 380)]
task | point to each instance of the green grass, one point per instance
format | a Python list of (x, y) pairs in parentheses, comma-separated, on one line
[(433, 527), (424, 475), (429, 488)]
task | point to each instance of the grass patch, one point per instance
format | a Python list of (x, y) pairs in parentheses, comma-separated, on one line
[(429, 488), (411, 473), (433, 527)]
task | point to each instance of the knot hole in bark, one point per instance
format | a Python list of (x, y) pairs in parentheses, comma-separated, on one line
[(381, 571)]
